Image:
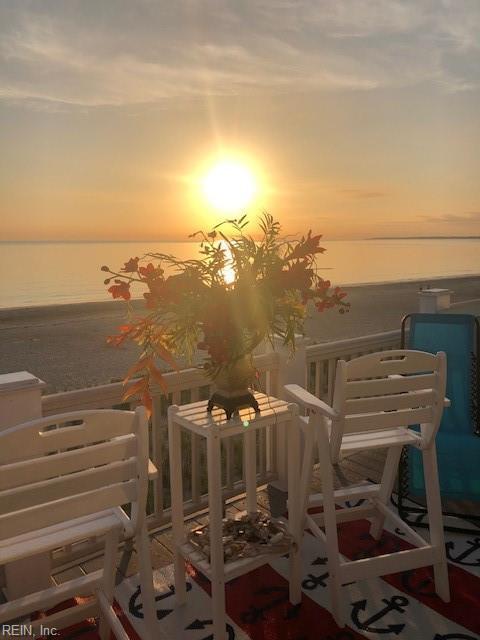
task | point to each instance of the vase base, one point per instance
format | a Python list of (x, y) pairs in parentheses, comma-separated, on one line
[(232, 404)]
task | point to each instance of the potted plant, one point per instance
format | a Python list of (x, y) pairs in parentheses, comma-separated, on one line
[(238, 293)]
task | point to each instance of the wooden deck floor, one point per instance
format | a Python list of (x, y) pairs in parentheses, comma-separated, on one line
[(352, 469)]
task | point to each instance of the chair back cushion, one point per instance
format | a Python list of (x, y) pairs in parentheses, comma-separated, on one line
[(63, 467), (389, 389), (458, 335)]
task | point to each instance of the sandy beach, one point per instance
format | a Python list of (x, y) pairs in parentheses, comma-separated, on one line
[(65, 345)]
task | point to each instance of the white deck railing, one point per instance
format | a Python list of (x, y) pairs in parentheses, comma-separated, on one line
[(322, 358), (190, 385)]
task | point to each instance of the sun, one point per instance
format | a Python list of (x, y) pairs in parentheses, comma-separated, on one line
[(229, 186)]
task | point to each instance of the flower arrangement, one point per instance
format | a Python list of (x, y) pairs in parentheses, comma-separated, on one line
[(239, 292)]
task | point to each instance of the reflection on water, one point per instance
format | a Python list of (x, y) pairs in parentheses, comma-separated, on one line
[(59, 273)]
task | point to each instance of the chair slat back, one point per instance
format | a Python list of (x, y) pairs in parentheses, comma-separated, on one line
[(389, 389), (62, 432), (35, 470), (382, 386), (388, 363), (64, 467)]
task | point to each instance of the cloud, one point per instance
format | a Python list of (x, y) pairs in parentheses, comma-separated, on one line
[(86, 53), (470, 217)]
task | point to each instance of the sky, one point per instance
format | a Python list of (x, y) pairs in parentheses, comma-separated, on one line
[(358, 118)]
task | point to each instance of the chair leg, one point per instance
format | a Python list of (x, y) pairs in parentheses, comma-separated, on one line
[(295, 575), (386, 487), (326, 474), (295, 558), (295, 515), (435, 519), (306, 474), (146, 582), (179, 568), (109, 572)]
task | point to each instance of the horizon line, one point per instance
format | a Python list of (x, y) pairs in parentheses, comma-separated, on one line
[(195, 241)]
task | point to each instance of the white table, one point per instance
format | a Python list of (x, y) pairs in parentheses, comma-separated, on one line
[(194, 418)]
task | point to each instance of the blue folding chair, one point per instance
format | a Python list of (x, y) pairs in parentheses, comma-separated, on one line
[(458, 439)]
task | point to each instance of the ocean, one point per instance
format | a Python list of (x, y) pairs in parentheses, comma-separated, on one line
[(49, 273)]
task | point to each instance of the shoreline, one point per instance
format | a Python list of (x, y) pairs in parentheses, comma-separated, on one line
[(381, 283), (65, 345), (106, 305)]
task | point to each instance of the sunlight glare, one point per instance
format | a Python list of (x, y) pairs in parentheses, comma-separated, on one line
[(228, 272), (229, 186)]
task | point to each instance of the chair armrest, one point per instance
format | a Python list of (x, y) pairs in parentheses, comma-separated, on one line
[(309, 401), (152, 470)]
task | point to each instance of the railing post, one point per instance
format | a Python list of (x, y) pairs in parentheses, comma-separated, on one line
[(20, 398), (20, 401), (158, 428), (292, 368), (433, 300)]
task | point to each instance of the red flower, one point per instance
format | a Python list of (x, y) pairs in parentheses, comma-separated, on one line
[(298, 276), (307, 246), (324, 285), (131, 266), (120, 290), (150, 271)]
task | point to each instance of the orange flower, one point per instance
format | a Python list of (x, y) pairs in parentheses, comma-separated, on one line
[(120, 290), (298, 276), (150, 271)]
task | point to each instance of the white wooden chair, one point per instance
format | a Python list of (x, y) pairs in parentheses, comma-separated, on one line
[(64, 479), (377, 398)]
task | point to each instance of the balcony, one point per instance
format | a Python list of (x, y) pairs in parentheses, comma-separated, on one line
[(312, 367)]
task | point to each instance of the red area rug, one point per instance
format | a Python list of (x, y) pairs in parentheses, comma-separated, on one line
[(88, 628), (401, 606)]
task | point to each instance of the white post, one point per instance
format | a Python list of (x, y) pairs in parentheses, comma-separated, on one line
[(292, 369), (20, 401), (20, 398), (433, 300)]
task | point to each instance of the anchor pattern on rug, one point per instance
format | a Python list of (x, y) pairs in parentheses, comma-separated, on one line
[(381, 614), (312, 581), (135, 605), (463, 558), (395, 603), (202, 624), (135, 608), (350, 503)]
